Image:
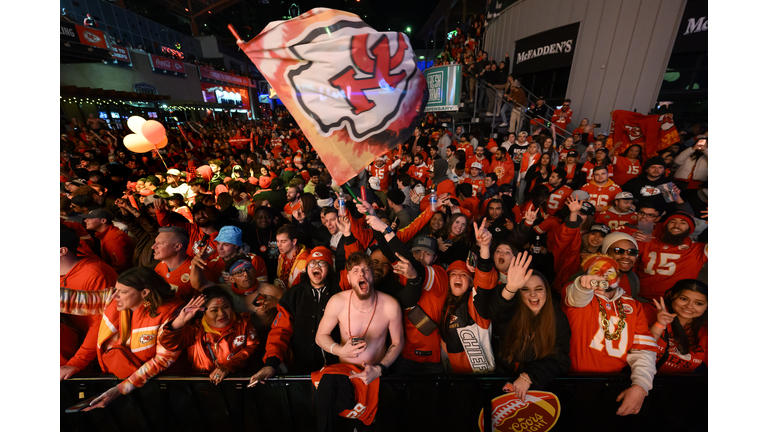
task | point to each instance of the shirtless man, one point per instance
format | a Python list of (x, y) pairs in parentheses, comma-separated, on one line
[(244, 289), (362, 313)]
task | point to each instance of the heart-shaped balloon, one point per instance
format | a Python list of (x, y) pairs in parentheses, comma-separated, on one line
[(134, 124), (137, 143), (153, 131)]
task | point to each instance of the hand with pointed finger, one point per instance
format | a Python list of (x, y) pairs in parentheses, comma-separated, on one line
[(521, 387), (404, 267), (481, 229), (509, 225)]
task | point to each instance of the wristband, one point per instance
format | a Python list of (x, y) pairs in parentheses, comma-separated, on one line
[(511, 292), (661, 327), (388, 230), (331, 350), (524, 376)]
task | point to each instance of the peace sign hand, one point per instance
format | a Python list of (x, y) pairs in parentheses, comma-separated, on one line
[(663, 317)]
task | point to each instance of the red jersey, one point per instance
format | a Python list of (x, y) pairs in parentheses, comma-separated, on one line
[(661, 265), (478, 186), (420, 173), (557, 199), (366, 396), (418, 347), (383, 173), (588, 167), (178, 278), (471, 205), (562, 123), (468, 150), (625, 169), (590, 351), (601, 196), (614, 219)]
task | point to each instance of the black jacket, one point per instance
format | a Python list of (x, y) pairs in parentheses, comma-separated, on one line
[(643, 189), (491, 305), (306, 311)]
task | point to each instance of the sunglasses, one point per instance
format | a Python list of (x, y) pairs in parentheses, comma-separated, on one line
[(630, 252)]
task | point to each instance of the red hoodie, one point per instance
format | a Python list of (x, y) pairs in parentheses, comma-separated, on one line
[(504, 169)]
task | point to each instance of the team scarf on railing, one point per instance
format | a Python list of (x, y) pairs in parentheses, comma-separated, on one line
[(355, 92), (653, 132)]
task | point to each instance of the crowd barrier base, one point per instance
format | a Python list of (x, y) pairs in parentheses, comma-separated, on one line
[(406, 403)]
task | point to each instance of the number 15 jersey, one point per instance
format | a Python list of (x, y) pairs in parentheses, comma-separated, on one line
[(661, 265)]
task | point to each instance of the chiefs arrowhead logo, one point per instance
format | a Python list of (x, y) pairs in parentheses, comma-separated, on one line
[(360, 90), (147, 338), (239, 340), (317, 254)]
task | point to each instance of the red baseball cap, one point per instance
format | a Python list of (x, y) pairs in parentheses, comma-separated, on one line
[(458, 265), (321, 253)]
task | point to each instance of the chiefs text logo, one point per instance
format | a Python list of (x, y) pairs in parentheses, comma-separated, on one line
[(360, 89)]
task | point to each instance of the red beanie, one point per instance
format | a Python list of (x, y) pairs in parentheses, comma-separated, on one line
[(682, 215)]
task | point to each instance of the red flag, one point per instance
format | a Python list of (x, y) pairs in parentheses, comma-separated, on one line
[(355, 92), (239, 142), (653, 132)]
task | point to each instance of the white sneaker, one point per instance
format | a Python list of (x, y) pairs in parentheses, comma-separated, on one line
[(503, 124), (489, 114)]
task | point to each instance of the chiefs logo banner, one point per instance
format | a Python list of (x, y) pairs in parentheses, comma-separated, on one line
[(653, 132), (539, 412), (355, 92)]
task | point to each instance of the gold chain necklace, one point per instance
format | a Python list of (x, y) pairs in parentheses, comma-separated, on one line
[(604, 320)]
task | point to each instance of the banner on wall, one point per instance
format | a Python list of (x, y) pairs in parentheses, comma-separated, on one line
[(552, 49), (692, 34), (164, 63), (444, 87), (69, 32), (120, 53), (213, 74), (92, 37)]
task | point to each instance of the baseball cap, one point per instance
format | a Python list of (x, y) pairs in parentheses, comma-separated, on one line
[(477, 165), (100, 214), (230, 234), (321, 253), (239, 265), (424, 243), (297, 158), (541, 98), (419, 189), (614, 237), (82, 200), (79, 182), (174, 171), (572, 153), (601, 228), (580, 195), (624, 195), (588, 209)]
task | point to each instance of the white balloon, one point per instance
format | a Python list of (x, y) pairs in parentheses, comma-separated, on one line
[(135, 123)]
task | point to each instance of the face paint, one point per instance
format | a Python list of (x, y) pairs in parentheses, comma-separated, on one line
[(216, 302), (605, 269)]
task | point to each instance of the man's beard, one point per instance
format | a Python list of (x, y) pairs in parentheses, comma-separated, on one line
[(674, 239), (203, 224)]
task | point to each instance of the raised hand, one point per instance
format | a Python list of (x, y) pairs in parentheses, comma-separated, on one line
[(574, 205), (160, 205), (530, 216), (663, 317), (364, 206), (518, 273), (481, 229), (345, 225), (188, 312), (404, 267), (375, 223)]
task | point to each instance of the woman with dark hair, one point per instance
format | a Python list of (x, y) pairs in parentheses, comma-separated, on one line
[(453, 240), (309, 206), (220, 342), (627, 166), (125, 343), (681, 331), (436, 223), (538, 174), (531, 335)]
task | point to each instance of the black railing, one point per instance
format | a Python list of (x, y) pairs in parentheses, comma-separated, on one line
[(406, 403)]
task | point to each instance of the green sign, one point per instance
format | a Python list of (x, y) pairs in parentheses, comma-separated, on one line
[(444, 85)]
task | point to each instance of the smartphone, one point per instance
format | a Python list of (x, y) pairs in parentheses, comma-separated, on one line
[(598, 125), (472, 259), (83, 404), (258, 298), (355, 341), (448, 241), (645, 227)]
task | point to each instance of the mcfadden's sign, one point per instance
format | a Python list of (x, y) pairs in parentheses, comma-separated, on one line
[(552, 49)]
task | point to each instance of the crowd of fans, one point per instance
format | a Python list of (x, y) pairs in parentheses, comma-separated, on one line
[(238, 253)]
